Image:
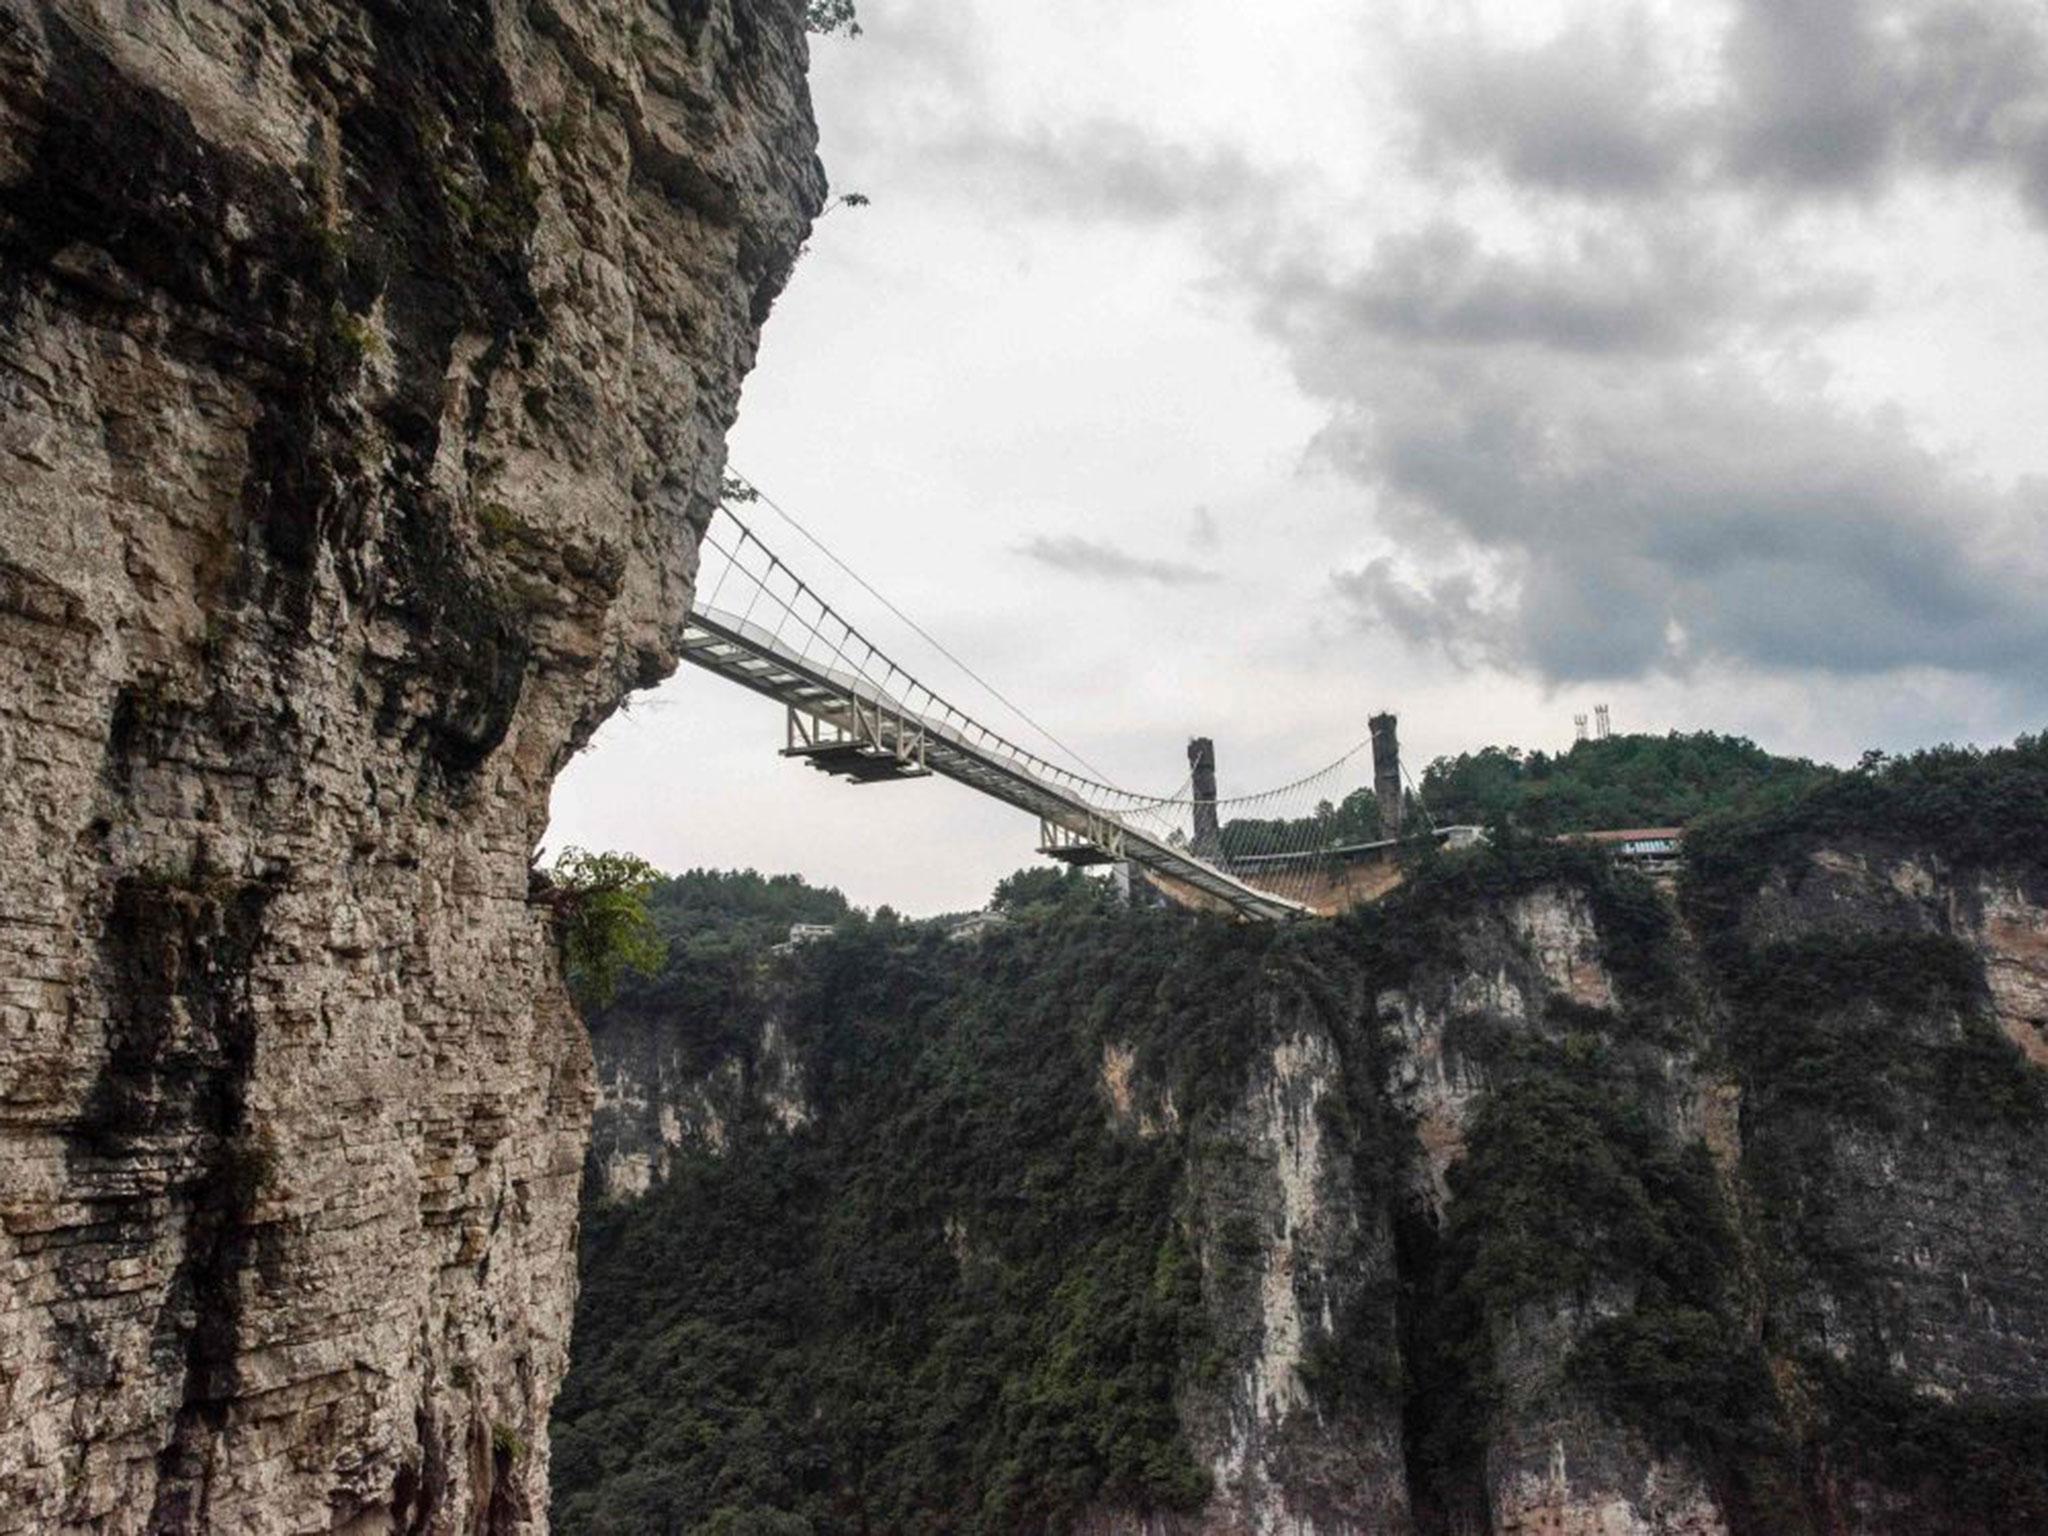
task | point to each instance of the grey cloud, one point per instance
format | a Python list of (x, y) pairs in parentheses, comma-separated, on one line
[(1812, 99), (1101, 170), (1843, 93), (1577, 114), (1663, 519), (1437, 284), (1204, 534), (1654, 287), (1812, 96), (1577, 423), (1092, 559), (1444, 613)]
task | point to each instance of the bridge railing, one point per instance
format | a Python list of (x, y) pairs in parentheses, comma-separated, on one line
[(743, 583), (757, 623)]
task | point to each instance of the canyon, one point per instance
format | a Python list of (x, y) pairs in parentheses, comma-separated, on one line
[(1537, 1198)]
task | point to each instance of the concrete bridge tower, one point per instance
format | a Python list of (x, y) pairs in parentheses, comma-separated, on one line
[(1386, 773), (1202, 770)]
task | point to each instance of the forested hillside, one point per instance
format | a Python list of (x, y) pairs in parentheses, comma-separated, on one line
[(1624, 781), (1111, 1216)]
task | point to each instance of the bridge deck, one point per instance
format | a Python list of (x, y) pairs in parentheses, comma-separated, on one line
[(745, 653)]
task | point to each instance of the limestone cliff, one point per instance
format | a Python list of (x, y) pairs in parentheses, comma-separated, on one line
[(1538, 1200), (364, 371)]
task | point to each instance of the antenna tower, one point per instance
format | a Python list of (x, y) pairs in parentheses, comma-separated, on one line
[(1602, 726)]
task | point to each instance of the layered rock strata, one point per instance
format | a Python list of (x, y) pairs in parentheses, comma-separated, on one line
[(364, 371)]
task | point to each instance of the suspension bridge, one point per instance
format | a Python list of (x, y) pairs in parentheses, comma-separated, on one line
[(853, 712)]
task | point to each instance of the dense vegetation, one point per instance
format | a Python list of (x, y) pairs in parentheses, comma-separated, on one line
[(713, 928), (1967, 807), (1064, 888), (962, 1299), (1624, 781), (1354, 819)]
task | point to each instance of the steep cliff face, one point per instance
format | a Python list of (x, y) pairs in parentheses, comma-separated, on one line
[(1538, 1200), (364, 372)]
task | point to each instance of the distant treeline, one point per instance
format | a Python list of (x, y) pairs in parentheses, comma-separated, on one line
[(1624, 781)]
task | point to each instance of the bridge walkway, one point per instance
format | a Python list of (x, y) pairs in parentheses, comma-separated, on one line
[(854, 712)]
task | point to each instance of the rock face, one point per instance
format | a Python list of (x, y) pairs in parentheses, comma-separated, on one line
[(1532, 1202), (364, 371)]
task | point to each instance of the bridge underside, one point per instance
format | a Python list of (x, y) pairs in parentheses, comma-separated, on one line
[(847, 724)]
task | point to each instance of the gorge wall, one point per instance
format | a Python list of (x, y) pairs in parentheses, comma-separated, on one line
[(1535, 1200), (364, 373)]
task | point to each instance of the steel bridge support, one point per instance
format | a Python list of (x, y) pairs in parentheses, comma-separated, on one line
[(861, 742)]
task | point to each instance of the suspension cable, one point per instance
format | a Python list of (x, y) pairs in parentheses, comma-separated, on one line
[(916, 628), (1134, 806)]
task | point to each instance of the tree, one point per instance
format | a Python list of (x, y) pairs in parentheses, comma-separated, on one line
[(1047, 889), (600, 906), (827, 16)]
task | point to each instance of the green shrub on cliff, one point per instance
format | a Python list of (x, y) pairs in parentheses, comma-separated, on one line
[(830, 16), (600, 904), (1879, 1029)]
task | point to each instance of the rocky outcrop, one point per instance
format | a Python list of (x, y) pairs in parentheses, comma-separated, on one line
[(1905, 1186), (1293, 1244), (1530, 1202), (656, 1098), (364, 372)]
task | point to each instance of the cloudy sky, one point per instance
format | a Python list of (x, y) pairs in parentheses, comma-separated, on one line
[(1197, 369)]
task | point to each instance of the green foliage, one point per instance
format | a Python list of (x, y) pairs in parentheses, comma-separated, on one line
[(1356, 819), (715, 928), (703, 912), (600, 902), (960, 1299), (1975, 1467), (829, 16), (1625, 781), (1045, 888), (1564, 1180), (1971, 808), (1879, 1029), (1685, 1370)]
